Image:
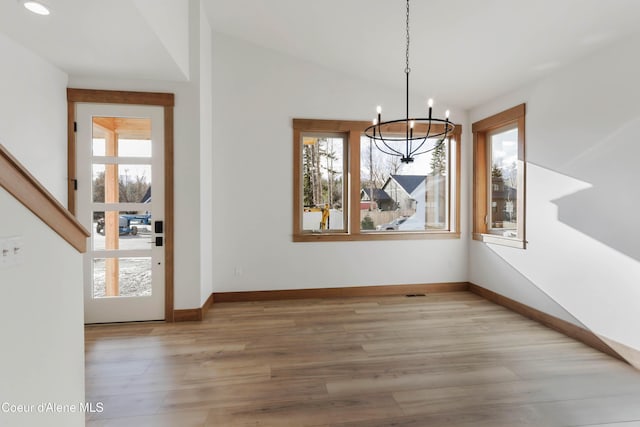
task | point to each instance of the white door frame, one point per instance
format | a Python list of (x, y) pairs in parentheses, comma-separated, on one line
[(165, 100)]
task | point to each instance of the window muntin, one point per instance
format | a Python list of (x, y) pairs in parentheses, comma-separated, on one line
[(323, 183), (397, 197)]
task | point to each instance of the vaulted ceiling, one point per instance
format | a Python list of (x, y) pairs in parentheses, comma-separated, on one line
[(462, 51)]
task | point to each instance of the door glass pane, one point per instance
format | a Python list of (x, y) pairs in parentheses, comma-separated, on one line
[(98, 182), (133, 183), (323, 166), (504, 182), (99, 147), (123, 277), (133, 136), (133, 230), (134, 148), (116, 181)]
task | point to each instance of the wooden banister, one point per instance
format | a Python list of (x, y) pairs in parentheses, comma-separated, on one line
[(17, 180)]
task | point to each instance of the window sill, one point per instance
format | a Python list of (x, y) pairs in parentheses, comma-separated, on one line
[(373, 236), (500, 240)]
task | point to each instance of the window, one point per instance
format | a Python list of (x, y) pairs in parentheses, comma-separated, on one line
[(347, 189), (397, 197), (502, 152), (323, 183), (499, 178)]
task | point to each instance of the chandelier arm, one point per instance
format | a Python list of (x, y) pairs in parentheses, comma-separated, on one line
[(445, 134), (421, 144), (408, 142), (425, 151), (426, 136), (440, 142), (398, 153), (395, 153)]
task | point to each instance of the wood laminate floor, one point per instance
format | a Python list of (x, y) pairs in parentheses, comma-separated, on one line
[(449, 359)]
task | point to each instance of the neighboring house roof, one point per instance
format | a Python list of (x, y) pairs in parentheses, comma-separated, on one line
[(378, 194), (408, 182)]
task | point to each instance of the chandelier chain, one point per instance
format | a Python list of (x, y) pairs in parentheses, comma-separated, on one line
[(407, 69)]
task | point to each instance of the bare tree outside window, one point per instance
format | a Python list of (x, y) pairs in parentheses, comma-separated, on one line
[(323, 165)]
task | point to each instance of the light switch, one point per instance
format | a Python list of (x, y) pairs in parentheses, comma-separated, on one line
[(11, 251), (16, 247), (4, 253)]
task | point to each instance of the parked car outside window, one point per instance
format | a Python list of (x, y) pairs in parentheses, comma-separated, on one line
[(393, 225)]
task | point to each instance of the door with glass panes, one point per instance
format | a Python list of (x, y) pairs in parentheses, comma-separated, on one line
[(120, 199)]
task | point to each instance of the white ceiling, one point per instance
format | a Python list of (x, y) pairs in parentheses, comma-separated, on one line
[(101, 38), (463, 52)]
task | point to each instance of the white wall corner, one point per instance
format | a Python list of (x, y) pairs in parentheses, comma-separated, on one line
[(169, 20)]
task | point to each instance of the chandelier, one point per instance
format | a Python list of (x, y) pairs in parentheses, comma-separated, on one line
[(408, 137)]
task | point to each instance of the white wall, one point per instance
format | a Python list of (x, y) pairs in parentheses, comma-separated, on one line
[(169, 19), (41, 318), (33, 115), (257, 93), (582, 132), (41, 313), (187, 140)]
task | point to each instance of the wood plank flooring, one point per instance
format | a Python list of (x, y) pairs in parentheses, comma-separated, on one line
[(448, 359)]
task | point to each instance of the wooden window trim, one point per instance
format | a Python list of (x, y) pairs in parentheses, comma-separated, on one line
[(480, 129), (353, 131), (165, 100)]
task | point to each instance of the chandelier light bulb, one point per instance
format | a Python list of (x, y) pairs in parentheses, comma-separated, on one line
[(446, 114), (378, 109), (412, 123), (430, 102), (375, 122)]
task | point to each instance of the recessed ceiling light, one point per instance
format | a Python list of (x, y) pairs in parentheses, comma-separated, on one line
[(35, 7)]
